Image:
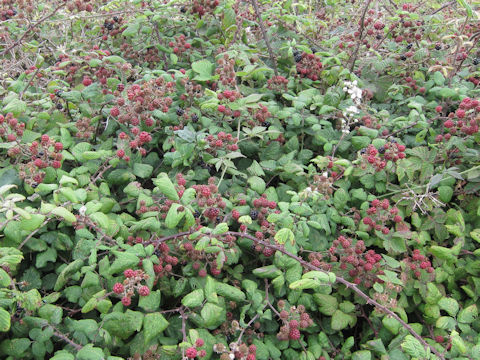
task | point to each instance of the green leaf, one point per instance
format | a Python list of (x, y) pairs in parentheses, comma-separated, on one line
[(51, 313), (89, 352), (442, 253), (285, 235), (413, 347), (5, 279), (131, 30), (64, 276), (16, 107), (150, 302), (114, 58), (62, 355), (4, 320), (123, 261), (445, 193), (15, 347), (303, 284), (468, 314), (193, 299), (166, 186), (64, 213), (362, 355), (327, 304), (257, 184), (204, 69), (468, 9), (450, 305), (269, 271), (142, 170), (340, 320), (153, 325), (230, 292), (173, 216), (212, 314)]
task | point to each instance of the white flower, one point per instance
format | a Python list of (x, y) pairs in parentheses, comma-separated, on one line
[(352, 110)]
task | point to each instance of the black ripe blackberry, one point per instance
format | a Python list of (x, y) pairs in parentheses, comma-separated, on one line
[(254, 214)]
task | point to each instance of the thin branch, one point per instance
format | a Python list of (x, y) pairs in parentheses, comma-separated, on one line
[(359, 42), (64, 337), (347, 284), (30, 28), (443, 7), (170, 237), (264, 34)]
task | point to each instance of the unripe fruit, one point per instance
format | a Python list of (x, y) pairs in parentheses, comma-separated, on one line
[(294, 334), (191, 352), (144, 291), (199, 342), (126, 301), (448, 124), (129, 273), (118, 288)]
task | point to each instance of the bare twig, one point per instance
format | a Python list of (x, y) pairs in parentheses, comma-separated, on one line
[(443, 7), (264, 34), (359, 42), (65, 338), (30, 28)]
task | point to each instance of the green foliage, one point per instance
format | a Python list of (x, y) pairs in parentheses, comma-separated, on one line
[(198, 186)]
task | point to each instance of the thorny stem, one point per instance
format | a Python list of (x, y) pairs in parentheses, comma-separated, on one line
[(264, 34), (65, 338), (457, 49), (424, 185), (31, 27), (347, 284), (359, 42), (443, 7)]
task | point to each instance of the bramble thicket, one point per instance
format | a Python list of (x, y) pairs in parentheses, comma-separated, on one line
[(228, 179)]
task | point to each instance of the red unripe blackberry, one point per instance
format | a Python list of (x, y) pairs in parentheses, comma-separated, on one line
[(367, 221), (144, 291), (221, 108), (118, 288), (293, 324), (115, 111), (129, 273), (38, 163), (438, 109), (199, 342), (126, 301), (439, 339), (56, 164), (202, 273), (448, 124), (460, 113), (294, 334), (86, 81)]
